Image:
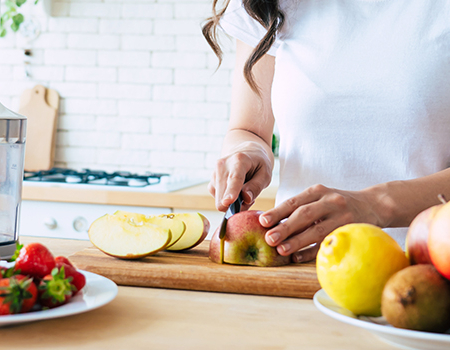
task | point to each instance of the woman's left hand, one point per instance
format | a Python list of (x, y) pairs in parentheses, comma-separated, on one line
[(307, 218)]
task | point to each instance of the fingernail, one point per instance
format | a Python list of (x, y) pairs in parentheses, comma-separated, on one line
[(286, 247), (298, 258), (274, 237), (250, 194), (266, 219)]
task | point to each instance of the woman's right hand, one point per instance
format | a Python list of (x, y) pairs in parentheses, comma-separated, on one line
[(248, 168)]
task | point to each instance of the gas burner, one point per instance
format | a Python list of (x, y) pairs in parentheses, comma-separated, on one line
[(94, 177)]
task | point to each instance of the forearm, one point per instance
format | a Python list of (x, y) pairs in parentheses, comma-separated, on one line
[(398, 202), (247, 161)]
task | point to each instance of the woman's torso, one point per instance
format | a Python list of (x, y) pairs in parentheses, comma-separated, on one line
[(361, 92)]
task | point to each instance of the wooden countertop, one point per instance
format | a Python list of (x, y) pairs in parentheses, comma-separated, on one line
[(147, 318), (194, 198)]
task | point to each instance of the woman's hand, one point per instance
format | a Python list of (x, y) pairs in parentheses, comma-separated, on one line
[(310, 216), (248, 169)]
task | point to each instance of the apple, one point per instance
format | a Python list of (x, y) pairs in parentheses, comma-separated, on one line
[(439, 241), (197, 228), (416, 244), (176, 226), (126, 239), (245, 244)]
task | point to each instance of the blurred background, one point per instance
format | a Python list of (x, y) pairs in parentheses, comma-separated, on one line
[(138, 85)]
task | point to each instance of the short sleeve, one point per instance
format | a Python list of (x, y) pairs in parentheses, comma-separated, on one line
[(237, 23)]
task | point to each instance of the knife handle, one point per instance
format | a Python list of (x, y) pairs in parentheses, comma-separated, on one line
[(236, 206)]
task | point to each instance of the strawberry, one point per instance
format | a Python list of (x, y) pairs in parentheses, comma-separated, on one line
[(6, 272), (17, 294), (78, 279), (63, 259), (35, 260), (55, 289)]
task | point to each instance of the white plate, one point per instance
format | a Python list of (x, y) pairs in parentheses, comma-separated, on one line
[(97, 292), (403, 338)]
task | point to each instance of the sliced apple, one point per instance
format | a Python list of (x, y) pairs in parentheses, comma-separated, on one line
[(197, 228), (176, 226), (129, 215), (125, 239)]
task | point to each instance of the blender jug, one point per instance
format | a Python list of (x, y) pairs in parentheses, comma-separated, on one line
[(12, 153)]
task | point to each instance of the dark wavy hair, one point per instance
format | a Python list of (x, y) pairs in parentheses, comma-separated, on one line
[(266, 12)]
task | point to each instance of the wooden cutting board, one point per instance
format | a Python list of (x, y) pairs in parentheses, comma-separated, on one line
[(41, 106), (192, 270)]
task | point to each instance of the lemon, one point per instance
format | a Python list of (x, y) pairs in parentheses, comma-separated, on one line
[(354, 263)]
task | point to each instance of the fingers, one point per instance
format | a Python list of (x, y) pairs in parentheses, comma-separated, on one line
[(253, 187), (314, 234), (211, 186), (237, 173), (298, 221), (285, 209), (305, 220), (228, 180), (306, 254)]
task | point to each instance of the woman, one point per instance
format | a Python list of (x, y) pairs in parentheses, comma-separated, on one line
[(360, 92)]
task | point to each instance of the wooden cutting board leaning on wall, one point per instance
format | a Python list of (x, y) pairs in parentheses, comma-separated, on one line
[(41, 107)]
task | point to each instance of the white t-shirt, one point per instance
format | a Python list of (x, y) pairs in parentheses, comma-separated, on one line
[(361, 91)]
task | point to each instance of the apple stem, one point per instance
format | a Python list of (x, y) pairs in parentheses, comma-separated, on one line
[(441, 197)]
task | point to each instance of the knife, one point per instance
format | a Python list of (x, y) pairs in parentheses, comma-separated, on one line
[(232, 209)]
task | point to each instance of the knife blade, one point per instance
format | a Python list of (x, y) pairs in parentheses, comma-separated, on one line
[(232, 209)]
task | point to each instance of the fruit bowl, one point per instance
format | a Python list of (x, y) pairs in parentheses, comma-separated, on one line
[(403, 338)]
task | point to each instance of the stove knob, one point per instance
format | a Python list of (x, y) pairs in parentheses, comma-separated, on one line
[(50, 223), (80, 224)]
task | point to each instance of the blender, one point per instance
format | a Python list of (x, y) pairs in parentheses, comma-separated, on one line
[(12, 154)]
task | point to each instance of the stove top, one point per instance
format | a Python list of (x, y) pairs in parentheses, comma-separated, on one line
[(118, 180), (94, 177)]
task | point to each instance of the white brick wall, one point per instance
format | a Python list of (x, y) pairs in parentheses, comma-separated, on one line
[(137, 81)]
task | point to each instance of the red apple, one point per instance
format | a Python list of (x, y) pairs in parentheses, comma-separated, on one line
[(439, 241), (416, 244), (245, 244)]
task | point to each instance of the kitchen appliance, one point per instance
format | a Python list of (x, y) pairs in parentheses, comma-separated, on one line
[(12, 150), (45, 218), (117, 180)]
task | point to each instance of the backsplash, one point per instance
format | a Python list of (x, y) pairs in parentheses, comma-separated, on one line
[(138, 83)]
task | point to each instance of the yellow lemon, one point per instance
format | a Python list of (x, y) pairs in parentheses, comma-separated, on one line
[(354, 263)]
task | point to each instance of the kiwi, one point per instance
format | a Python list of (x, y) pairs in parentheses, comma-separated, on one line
[(418, 298)]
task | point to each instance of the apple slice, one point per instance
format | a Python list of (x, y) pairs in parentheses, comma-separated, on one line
[(125, 239), (136, 217), (176, 226), (197, 228)]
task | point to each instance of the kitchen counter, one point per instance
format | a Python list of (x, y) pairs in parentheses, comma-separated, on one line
[(191, 198), (148, 318)]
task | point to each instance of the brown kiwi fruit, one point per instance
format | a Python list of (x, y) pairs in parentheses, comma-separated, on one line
[(418, 298)]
